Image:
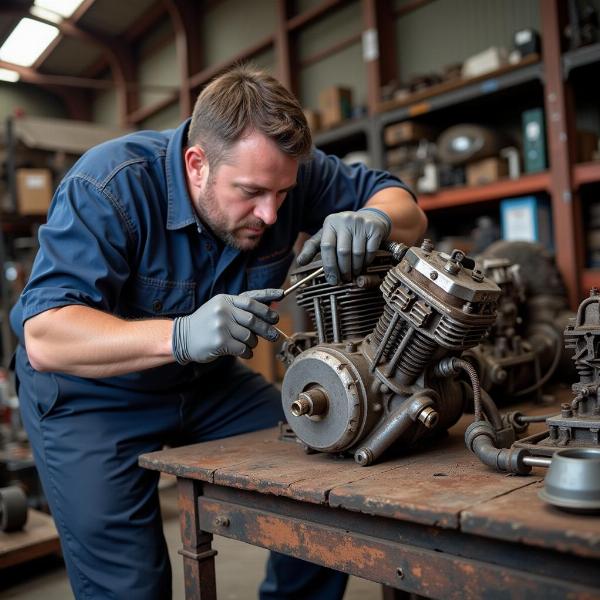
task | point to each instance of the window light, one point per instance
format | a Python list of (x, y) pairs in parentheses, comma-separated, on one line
[(27, 41), (8, 75), (45, 14), (64, 8)]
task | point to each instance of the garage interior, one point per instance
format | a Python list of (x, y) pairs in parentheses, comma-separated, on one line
[(442, 406)]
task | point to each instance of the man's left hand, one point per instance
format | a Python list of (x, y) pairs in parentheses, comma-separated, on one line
[(348, 242)]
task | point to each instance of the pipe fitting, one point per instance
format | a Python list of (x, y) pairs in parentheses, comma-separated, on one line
[(480, 439), (513, 419)]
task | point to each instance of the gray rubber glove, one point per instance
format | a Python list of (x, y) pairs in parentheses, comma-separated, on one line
[(225, 326), (348, 242)]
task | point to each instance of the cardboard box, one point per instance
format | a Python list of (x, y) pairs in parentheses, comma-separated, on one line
[(485, 171), (313, 118), (406, 132), (335, 105), (34, 191), (526, 219), (484, 62)]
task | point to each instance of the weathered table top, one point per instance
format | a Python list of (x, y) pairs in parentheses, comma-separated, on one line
[(38, 538), (443, 485)]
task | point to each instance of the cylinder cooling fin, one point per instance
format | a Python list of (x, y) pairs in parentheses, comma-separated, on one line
[(346, 311)]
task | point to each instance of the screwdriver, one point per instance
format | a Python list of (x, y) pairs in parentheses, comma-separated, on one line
[(291, 289), (296, 285)]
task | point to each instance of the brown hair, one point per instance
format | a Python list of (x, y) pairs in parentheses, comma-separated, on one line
[(245, 99)]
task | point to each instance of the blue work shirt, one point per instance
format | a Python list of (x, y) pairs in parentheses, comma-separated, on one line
[(122, 237)]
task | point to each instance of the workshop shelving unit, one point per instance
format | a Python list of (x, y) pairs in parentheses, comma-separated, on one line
[(552, 80), (549, 78)]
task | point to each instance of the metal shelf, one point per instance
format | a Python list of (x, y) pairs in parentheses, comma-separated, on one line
[(472, 89), (344, 131), (507, 188), (586, 173), (586, 55)]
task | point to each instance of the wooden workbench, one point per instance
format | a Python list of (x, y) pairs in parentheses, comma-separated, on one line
[(38, 538), (434, 522)]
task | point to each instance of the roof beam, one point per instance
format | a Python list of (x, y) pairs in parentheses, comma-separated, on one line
[(81, 10), (185, 17), (118, 53)]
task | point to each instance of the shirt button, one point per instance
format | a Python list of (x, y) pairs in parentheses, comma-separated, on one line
[(157, 305)]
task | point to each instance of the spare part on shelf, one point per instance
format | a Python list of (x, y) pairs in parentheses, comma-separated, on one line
[(467, 142), (13, 508), (583, 24), (526, 41), (382, 365), (487, 61), (534, 140), (517, 358)]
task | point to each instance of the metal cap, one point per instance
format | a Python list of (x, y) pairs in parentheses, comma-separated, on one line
[(573, 480)]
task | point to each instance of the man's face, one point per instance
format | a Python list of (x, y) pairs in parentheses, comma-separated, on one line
[(240, 198)]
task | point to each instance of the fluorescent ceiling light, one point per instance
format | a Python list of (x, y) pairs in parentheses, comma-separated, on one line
[(8, 75), (27, 41), (64, 8), (45, 14)]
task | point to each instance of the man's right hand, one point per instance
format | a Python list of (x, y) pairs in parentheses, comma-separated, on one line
[(225, 325)]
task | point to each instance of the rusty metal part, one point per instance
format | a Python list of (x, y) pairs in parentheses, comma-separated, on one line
[(578, 424), (370, 380)]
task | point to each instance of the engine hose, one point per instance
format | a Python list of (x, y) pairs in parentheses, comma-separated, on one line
[(459, 363), (491, 411), (489, 406)]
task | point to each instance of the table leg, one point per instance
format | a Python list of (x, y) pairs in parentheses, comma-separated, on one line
[(198, 555)]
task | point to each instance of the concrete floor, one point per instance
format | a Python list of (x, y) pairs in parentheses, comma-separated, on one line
[(239, 568)]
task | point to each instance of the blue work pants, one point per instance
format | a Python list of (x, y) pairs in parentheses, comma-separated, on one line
[(87, 437)]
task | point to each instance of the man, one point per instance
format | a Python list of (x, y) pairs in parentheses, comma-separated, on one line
[(137, 306)]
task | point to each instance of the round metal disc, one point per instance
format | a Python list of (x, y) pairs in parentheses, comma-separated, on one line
[(334, 373)]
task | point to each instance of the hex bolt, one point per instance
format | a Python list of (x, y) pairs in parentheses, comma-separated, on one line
[(433, 275), (429, 417), (427, 245), (222, 521), (477, 275), (566, 410), (452, 267), (350, 347), (363, 457)]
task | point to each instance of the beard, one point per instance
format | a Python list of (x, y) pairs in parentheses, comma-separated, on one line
[(210, 214)]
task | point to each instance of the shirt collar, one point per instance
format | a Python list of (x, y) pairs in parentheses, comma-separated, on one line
[(180, 212)]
